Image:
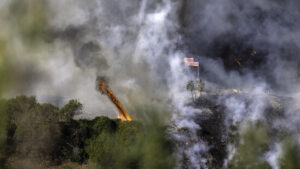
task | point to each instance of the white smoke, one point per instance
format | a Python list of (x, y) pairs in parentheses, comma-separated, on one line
[(129, 44), (273, 156), (139, 47)]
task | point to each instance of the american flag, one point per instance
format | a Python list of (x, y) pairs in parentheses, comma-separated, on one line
[(190, 62)]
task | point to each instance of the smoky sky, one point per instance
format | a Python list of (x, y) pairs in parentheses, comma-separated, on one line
[(139, 46), (129, 43), (136, 45), (225, 30)]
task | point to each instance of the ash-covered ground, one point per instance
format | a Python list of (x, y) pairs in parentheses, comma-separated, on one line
[(218, 129)]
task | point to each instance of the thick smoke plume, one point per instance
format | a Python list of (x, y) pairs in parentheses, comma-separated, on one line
[(139, 46), (262, 37)]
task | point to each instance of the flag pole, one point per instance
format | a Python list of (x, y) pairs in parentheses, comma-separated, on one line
[(198, 74), (198, 69)]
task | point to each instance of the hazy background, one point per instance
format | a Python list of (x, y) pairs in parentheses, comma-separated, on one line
[(54, 50)]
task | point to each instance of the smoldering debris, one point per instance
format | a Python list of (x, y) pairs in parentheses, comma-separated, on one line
[(222, 125)]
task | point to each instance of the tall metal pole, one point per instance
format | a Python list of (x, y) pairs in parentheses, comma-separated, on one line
[(198, 69), (198, 74)]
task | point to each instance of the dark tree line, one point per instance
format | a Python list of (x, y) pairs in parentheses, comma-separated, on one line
[(49, 135)]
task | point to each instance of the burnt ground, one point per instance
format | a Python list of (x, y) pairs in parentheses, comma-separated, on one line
[(216, 130)]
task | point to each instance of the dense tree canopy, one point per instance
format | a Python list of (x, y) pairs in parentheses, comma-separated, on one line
[(34, 134)]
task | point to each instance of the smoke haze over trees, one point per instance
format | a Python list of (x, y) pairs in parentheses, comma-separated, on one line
[(35, 135), (54, 50)]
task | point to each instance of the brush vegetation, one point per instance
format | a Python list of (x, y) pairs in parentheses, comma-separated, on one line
[(35, 135)]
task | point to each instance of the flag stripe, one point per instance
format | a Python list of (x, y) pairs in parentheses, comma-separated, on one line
[(188, 59), (195, 64)]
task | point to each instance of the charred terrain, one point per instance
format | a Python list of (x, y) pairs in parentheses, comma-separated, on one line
[(181, 84), (218, 129)]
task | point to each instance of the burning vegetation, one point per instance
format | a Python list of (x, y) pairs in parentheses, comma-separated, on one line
[(232, 104), (104, 89)]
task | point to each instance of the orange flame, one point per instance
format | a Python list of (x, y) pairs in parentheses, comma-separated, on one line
[(238, 62), (104, 89), (253, 52)]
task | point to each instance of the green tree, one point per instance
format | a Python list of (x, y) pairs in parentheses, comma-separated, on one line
[(157, 149), (74, 107), (104, 124), (191, 87), (73, 140), (37, 132), (32, 130), (290, 158), (113, 144), (4, 122), (130, 145), (253, 144)]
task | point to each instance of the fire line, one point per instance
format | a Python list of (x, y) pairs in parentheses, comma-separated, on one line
[(104, 89)]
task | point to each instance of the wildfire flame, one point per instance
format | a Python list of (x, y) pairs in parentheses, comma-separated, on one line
[(238, 62), (104, 89), (253, 53)]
